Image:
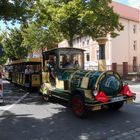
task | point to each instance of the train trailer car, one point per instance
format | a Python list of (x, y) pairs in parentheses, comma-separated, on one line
[(64, 78), (25, 72)]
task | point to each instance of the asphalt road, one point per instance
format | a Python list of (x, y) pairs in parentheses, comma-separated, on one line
[(25, 116)]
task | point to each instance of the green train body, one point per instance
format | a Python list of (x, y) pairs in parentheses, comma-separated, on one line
[(83, 89)]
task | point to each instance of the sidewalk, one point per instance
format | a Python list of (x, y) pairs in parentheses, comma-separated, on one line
[(130, 82)]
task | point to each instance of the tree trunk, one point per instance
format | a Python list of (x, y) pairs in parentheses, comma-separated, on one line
[(43, 64), (71, 41)]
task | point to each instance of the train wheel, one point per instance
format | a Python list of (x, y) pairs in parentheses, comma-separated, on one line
[(115, 106), (78, 107), (45, 98)]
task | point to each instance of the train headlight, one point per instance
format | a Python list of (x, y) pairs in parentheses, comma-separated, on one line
[(95, 92)]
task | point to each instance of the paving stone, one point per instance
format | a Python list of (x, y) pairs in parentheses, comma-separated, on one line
[(129, 135)]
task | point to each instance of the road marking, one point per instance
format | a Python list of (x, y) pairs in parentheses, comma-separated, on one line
[(18, 101)]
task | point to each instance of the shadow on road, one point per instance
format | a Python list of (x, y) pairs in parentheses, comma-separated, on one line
[(64, 126), (58, 123)]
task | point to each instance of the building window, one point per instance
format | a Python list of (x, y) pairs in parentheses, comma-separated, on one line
[(87, 57), (87, 42), (134, 29), (135, 45), (97, 55), (83, 44), (134, 63)]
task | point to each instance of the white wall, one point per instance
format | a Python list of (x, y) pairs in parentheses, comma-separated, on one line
[(122, 45)]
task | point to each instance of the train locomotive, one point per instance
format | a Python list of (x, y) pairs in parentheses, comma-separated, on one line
[(84, 90)]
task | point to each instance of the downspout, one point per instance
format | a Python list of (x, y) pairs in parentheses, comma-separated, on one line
[(129, 46)]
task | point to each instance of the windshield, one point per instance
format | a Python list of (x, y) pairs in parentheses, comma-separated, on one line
[(71, 59)]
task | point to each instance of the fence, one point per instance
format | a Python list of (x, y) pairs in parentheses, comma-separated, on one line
[(121, 69), (108, 67)]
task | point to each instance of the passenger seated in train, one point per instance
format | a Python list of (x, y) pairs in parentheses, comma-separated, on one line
[(51, 70), (28, 72)]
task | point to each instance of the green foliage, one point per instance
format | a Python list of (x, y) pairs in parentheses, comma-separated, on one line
[(36, 37), (12, 9), (12, 45), (47, 22), (62, 15), (72, 18), (2, 55), (107, 21), (3, 59)]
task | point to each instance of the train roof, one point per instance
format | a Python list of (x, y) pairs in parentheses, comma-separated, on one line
[(63, 48), (31, 60)]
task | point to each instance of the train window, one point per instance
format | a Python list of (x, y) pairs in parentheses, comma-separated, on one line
[(71, 60)]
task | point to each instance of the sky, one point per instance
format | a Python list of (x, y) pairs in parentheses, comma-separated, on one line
[(132, 3), (6, 27)]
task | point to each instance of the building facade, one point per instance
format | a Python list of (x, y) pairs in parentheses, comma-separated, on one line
[(124, 48)]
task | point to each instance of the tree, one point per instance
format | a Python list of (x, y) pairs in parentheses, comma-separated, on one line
[(2, 53), (107, 21), (62, 15), (12, 9), (13, 47), (74, 18), (36, 36)]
